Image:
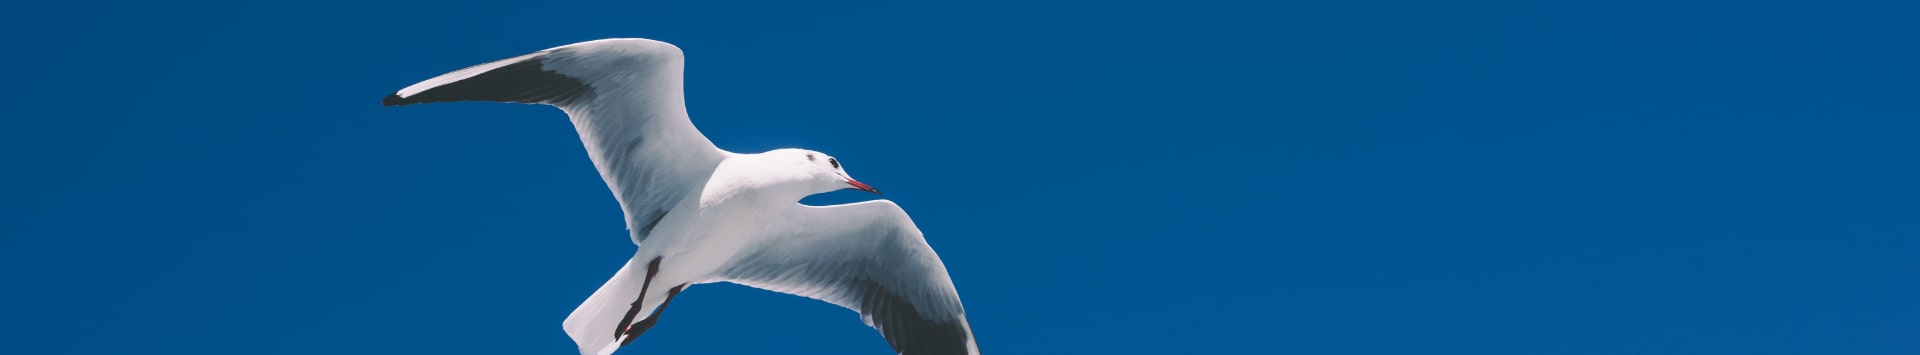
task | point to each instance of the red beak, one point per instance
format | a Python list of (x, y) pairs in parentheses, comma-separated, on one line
[(862, 186)]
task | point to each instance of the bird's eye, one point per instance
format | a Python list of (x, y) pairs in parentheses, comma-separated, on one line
[(835, 162)]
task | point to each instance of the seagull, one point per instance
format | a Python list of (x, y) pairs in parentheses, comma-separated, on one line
[(700, 214)]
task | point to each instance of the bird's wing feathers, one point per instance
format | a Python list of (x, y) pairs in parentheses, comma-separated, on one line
[(624, 97), (868, 257)]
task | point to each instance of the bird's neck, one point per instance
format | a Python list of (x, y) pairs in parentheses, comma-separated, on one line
[(741, 180)]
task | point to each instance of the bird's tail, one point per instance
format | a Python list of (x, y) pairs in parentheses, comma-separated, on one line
[(596, 326)]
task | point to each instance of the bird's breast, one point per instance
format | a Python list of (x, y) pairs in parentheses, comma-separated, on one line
[(699, 240)]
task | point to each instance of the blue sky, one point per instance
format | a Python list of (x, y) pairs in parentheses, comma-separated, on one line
[(1373, 177)]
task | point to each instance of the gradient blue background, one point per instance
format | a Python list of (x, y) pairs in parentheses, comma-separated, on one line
[(1372, 177)]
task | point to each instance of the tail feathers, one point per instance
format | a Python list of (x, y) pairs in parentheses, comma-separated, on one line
[(523, 79), (594, 324)]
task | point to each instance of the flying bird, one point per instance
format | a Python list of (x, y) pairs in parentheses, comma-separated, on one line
[(700, 214)]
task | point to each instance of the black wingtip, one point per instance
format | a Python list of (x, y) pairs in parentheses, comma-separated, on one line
[(525, 81), (394, 100)]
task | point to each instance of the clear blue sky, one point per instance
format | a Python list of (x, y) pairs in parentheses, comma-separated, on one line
[(1373, 177)]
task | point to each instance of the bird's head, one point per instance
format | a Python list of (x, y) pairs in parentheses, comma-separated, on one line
[(822, 171)]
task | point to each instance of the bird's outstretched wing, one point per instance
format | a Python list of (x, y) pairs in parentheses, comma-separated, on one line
[(624, 97), (867, 257)]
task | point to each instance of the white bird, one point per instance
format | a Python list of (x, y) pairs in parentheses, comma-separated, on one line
[(701, 214)]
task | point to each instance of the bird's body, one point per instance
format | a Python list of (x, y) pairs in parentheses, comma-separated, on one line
[(700, 214), (737, 206)]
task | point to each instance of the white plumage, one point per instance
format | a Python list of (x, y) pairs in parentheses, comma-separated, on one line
[(700, 214)]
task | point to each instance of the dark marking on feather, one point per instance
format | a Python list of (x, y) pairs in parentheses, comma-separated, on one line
[(526, 81), (900, 322)]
